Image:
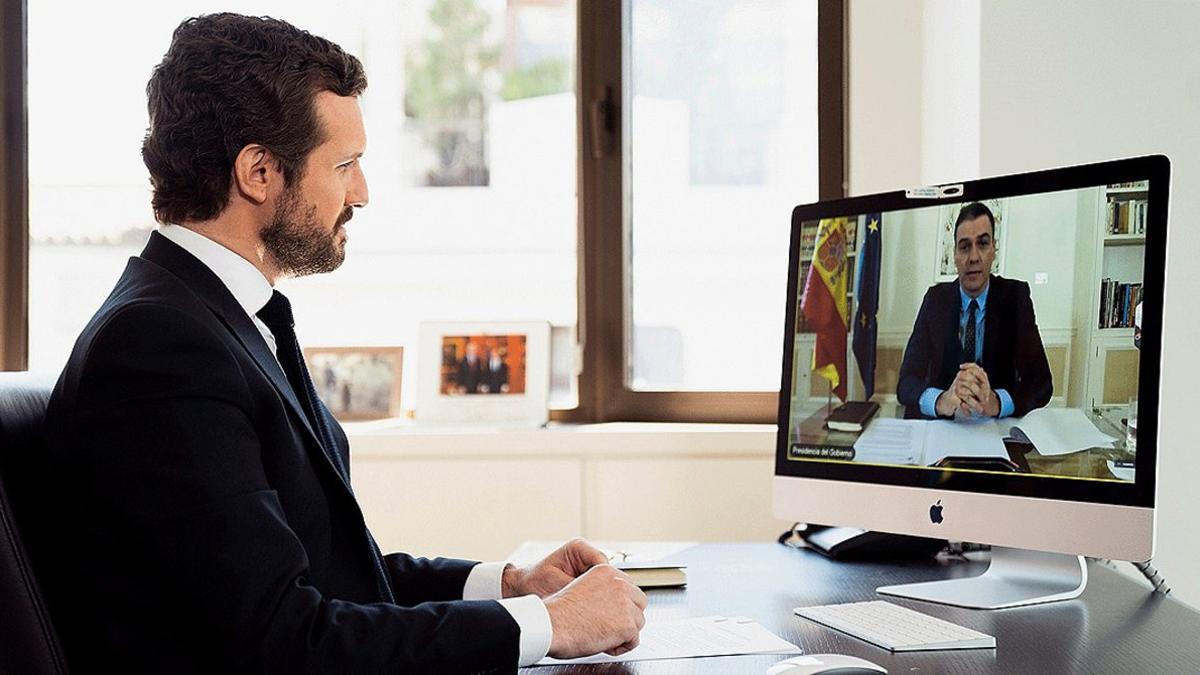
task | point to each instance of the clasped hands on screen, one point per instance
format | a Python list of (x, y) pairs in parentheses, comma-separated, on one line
[(971, 393)]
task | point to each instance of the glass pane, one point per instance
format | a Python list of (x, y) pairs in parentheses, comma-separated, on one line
[(471, 162), (721, 144)]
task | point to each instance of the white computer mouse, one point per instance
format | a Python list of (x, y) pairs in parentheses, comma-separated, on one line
[(825, 664)]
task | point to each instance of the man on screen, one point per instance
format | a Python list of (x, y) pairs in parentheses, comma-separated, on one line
[(975, 349)]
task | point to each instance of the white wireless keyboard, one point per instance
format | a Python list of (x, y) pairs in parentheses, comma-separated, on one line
[(896, 628)]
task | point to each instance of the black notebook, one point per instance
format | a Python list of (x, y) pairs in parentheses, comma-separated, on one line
[(851, 416)]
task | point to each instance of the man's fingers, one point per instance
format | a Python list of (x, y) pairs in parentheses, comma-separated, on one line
[(638, 596), (971, 373), (971, 389), (973, 403), (583, 555), (981, 377), (622, 649)]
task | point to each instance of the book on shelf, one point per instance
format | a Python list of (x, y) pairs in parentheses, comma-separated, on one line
[(852, 235), (654, 574), (808, 239), (1118, 303), (851, 416), (1132, 185), (1126, 216)]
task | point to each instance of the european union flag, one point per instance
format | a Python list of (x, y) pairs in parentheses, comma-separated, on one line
[(866, 328)]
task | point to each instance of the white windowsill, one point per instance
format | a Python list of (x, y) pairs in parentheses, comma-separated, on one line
[(399, 439)]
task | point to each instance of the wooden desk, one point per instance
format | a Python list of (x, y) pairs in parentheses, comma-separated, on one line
[(1117, 626)]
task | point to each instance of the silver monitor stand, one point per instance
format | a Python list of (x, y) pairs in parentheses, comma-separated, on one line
[(1014, 578)]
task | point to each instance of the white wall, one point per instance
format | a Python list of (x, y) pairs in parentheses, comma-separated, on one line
[(1073, 82), (1058, 84), (1040, 239), (883, 114)]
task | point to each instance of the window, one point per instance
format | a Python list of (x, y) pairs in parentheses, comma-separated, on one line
[(470, 113), (490, 201), (721, 131), (732, 113)]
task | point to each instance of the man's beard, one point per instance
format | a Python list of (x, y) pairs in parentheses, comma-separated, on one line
[(297, 242)]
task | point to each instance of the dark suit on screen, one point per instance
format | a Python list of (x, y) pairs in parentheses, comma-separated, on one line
[(202, 525), (1013, 355)]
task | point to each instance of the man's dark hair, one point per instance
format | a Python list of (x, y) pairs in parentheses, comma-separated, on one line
[(228, 81), (971, 212)]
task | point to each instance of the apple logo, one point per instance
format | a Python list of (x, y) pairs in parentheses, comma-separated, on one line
[(935, 513)]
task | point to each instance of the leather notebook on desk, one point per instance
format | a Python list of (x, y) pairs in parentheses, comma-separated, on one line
[(655, 575), (851, 416)]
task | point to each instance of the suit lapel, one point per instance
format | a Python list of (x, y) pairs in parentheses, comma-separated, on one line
[(210, 289), (991, 320), (952, 347)]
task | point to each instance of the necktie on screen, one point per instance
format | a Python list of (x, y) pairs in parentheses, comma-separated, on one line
[(277, 314), (968, 352)]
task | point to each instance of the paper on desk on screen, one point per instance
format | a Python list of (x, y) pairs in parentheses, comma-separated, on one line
[(694, 638), (891, 441), (923, 442), (1058, 431), (1053, 431), (971, 437)]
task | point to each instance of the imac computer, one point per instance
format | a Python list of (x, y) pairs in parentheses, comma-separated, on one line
[(979, 362)]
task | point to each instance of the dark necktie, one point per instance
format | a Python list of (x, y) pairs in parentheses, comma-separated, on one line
[(277, 314), (968, 353)]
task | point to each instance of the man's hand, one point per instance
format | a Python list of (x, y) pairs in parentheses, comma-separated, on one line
[(554, 572), (974, 391), (601, 611), (948, 401)]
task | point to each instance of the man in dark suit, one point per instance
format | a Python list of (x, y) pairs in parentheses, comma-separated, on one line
[(471, 371), (202, 512), (975, 348), (497, 371)]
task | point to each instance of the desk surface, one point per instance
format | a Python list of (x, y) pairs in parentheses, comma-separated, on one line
[(1117, 626)]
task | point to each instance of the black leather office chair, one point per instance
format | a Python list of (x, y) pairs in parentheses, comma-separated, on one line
[(28, 642)]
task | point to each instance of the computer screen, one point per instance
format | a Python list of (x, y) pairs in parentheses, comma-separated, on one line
[(996, 338)]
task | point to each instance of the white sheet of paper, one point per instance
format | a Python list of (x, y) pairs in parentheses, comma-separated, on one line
[(692, 638), (891, 441), (968, 437), (1060, 431)]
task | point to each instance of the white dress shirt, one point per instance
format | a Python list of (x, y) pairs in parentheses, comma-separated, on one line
[(252, 291)]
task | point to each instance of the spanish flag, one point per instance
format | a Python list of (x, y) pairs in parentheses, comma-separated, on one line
[(824, 303)]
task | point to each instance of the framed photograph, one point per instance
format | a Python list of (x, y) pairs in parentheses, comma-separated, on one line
[(491, 373), (947, 214), (357, 383)]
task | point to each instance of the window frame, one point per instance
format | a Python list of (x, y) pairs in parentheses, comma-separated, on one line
[(14, 188), (604, 282), (603, 266)]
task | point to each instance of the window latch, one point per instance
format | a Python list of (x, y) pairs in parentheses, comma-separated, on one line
[(603, 121)]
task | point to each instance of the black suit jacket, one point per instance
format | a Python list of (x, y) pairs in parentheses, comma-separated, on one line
[(202, 527), (1013, 356), (497, 378)]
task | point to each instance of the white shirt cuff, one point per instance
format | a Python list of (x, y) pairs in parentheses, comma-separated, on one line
[(534, 621), (483, 582)]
